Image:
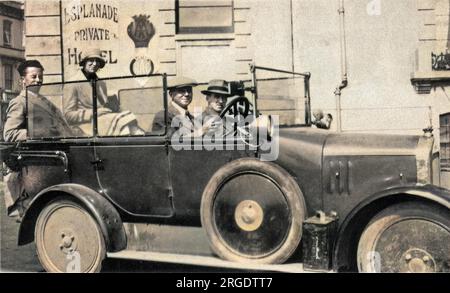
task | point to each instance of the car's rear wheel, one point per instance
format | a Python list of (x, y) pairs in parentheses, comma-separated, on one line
[(68, 239), (406, 237), (253, 211)]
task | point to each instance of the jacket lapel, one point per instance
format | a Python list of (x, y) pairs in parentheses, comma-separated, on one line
[(47, 106)]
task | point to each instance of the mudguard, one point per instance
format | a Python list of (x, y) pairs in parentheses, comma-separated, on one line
[(352, 222), (101, 210), (431, 192)]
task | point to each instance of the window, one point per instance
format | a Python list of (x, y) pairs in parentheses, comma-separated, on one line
[(8, 72), (201, 16), (125, 107), (445, 141), (7, 33)]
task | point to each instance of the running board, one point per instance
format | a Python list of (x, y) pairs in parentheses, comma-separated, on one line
[(205, 261)]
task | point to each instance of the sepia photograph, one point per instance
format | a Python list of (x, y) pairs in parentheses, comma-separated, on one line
[(225, 136)]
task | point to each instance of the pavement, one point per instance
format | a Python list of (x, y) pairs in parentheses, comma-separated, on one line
[(14, 258)]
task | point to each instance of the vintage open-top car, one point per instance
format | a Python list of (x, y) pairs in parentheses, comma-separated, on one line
[(270, 187)]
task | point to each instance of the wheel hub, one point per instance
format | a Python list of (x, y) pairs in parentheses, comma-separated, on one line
[(418, 261), (251, 217), (68, 242), (248, 215)]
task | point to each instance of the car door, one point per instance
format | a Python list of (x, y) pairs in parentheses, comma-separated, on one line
[(132, 168), (194, 162), (192, 169)]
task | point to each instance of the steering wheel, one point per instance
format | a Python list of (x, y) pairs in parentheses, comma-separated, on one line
[(237, 106)]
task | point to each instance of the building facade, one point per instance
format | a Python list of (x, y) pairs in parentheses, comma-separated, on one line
[(376, 66), (12, 51)]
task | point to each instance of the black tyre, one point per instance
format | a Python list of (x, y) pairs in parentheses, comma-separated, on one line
[(253, 211), (68, 239), (406, 237)]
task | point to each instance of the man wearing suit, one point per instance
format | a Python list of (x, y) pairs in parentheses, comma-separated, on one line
[(45, 120), (216, 94), (51, 121), (180, 92)]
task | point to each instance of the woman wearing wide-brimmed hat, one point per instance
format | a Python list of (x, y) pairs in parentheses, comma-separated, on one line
[(78, 103)]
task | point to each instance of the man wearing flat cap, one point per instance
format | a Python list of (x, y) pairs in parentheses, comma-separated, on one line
[(46, 120), (78, 102), (180, 93)]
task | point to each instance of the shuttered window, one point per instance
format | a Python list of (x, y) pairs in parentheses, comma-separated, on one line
[(445, 141), (201, 16)]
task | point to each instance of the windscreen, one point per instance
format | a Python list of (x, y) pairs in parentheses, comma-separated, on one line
[(124, 106), (140, 103), (283, 94)]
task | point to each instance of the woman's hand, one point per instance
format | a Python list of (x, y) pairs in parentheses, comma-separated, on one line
[(103, 111)]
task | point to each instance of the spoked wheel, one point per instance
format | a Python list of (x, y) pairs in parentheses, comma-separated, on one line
[(406, 237), (68, 239), (253, 211)]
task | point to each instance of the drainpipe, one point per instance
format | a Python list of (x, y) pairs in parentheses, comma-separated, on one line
[(343, 50)]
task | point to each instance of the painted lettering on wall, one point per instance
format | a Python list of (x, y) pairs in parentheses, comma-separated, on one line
[(92, 10), (124, 33), (92, 34), (90, 24), (82, 12), (74, 56)]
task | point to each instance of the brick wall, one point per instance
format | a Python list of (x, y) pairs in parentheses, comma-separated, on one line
[(43, 37)]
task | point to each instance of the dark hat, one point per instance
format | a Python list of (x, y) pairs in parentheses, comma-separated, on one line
[(93, 54), (181, 81), (28, 63), (217, 86)]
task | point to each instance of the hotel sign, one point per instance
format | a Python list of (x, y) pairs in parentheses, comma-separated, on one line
[(124, 33)]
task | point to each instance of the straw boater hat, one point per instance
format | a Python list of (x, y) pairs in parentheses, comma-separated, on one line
[(217, 86), (93, 54), (180, 82)]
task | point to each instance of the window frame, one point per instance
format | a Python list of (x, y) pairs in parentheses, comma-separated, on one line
[(205, 29), (7, 33), (8, 82)]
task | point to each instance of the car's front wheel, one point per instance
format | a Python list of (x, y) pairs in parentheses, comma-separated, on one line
[(406, 237), (252, 211), (68, 239)]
